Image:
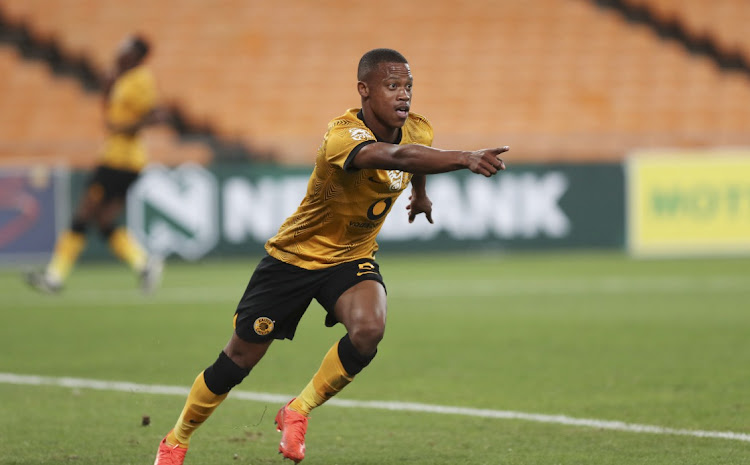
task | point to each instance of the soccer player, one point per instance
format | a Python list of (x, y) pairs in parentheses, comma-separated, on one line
[(129, 105), (326, 251)]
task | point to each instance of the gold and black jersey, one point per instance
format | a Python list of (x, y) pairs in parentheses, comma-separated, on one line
[(132, 97), (344, 208)]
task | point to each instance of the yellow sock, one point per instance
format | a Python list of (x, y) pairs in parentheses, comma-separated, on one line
[(201, 402), (330, 379), (67, 249), (127, 249)]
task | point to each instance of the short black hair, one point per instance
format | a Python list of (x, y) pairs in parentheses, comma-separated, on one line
[(141, 47), (372, 59)]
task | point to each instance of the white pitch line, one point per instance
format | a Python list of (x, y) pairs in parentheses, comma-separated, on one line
[(603, 285), (11, 378)]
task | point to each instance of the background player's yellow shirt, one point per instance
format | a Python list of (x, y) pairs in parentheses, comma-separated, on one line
[(132, 97), (344, 209)]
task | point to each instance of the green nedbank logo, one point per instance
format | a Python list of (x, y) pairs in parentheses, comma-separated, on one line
[(175, 211), (190, 210)]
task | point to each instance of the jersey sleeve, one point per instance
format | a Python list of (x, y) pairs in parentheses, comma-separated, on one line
[(345, 141)]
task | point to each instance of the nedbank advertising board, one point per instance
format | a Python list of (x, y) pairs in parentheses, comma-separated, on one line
[(689, 203), (678, 203), (192, 211)]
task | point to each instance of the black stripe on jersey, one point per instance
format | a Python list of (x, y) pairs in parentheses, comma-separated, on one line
[(353, 153)]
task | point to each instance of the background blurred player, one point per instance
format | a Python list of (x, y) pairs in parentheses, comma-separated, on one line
[(129, 105), (326, 251)]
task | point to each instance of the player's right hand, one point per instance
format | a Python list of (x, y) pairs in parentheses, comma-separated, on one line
[(487, 162)]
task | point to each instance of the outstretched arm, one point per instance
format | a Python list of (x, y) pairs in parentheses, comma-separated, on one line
[(421, 159)]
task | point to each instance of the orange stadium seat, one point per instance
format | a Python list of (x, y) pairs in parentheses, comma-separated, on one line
[(558, 81)]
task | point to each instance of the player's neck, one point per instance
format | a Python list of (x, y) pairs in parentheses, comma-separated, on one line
[(125, 68), (382, 132)]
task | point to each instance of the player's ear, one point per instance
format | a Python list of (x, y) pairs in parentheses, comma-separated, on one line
[(363, 90)]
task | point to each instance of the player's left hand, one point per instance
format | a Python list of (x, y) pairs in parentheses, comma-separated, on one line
[(417, 205)]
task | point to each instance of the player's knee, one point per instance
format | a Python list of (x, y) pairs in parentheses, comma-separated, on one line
[(351, 358), (365, 336), (224, 374)]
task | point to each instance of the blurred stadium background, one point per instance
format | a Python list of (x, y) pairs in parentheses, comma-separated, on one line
[(575, 87)]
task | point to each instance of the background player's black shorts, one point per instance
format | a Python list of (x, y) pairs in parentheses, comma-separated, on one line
[(278, 294), (110, 183)]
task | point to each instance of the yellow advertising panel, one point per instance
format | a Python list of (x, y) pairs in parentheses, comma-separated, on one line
[(689, 202)]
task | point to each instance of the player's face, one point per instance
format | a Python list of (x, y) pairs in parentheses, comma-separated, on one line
[(390, 93)]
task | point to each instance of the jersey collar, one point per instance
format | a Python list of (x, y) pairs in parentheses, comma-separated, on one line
[(361, 116)]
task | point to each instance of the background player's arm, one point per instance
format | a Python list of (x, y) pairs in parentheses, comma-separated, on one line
[(421, 159), (155, 116)]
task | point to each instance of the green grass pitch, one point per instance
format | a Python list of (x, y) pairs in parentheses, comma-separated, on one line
[(593, 336)]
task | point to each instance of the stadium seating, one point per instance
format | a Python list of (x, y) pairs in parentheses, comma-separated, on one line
[(556, 80), (35, 111), (50, 120), (724, 21)]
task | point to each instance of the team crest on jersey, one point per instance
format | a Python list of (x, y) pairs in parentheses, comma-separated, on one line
[(359, 134), (263, 326), (397, 179)]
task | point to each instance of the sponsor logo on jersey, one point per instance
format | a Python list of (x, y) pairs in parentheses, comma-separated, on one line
[(379, 209)]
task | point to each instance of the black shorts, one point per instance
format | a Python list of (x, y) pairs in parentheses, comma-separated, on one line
[(110, 183), (278, 294)]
